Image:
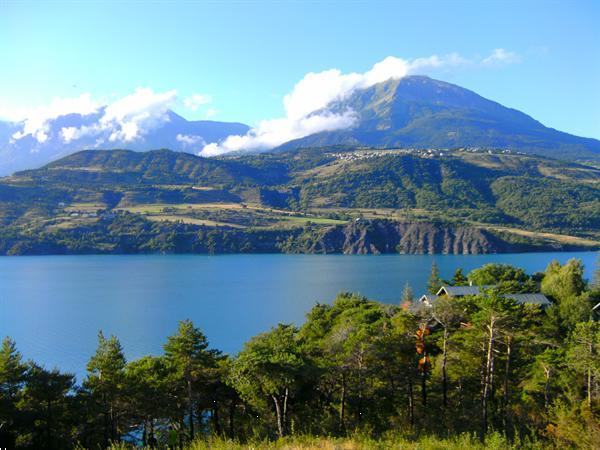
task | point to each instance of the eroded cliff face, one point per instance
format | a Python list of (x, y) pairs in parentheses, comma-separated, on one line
[(358, 237), (384, 236)]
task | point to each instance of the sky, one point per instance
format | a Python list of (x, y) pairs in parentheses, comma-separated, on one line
[(238, 60)]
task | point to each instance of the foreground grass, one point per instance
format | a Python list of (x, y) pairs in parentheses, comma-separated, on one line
[(461, 442)]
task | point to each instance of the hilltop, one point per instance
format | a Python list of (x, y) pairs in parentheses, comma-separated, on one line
[(411, 112), (417, 111), (323, 200)]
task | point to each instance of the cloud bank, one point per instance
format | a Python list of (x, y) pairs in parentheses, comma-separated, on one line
[(133, 116), (128, 118), (305, 107), (124, 120), (36, 122)]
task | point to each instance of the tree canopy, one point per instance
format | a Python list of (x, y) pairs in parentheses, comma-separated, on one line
[(481, 365)]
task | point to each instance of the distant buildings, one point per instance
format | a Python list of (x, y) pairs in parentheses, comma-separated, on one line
[(462, 291), (362, 154)]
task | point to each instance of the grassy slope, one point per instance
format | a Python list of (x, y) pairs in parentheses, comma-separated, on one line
[(462, 442), (522, 195)]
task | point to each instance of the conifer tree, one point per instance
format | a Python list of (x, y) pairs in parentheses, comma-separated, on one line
[(407, 295), (435, 282), (105, 382), (188, 355), (12, 378)]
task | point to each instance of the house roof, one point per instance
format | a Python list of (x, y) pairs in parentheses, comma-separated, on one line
[(461, 291), (533, 299), (428, 298)]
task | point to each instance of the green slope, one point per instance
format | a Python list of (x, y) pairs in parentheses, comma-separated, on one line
[(86, 192), (417, 111)]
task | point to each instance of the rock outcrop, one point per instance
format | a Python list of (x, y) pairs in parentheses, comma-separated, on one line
[(385, 236)]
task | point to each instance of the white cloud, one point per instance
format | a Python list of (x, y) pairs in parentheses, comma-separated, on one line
[(193, 102), (134, 115), (130, 117), (68, 133), (127, 118), (190, 140), (305, 106), (36, 121), (500, 57), (271, 133), (123, 120)]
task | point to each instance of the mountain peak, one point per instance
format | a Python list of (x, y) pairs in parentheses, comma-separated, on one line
[(69, 133), (418, 111)]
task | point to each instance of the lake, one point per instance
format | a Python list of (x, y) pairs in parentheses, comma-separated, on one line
[(53, 306)]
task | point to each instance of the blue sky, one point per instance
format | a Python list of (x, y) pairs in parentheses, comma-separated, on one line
[(246, 56)]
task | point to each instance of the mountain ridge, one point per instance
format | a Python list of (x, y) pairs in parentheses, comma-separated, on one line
[(418, 111), (411, 112), (174, 132)]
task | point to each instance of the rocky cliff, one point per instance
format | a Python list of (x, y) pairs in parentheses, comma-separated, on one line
[(385, 236), (131, 234)]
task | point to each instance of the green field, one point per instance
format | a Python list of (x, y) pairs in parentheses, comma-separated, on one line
[(526, 199)]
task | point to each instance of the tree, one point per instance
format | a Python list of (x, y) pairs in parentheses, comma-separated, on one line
[(459, 279), (447, 313), (565, 286), (434, 282), (340, 340), (542, 375), (105, 382), (407, 295), (395, 361), (47, 401), (483, 363), (147, 386), (12, 378), (583, 355), (596, 278), (563, 281), (188, 355), (493, 274), (494, 318), (270, 369)]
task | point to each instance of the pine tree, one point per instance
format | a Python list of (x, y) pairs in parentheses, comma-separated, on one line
[(407, 295), (270, 367), (447, 313), (459, 278), (48, 402), (188, 355), (12, 378), (105, 382), (583, 355), (435, 282)]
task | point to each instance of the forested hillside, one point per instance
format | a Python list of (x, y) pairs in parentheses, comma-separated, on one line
[(79, 203), (480, 371)]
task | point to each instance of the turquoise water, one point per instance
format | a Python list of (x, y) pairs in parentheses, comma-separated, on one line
[(53, 306)]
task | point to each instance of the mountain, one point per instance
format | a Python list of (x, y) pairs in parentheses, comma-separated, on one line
[(411, 112), (90, 168), (319, 200), (417, 111), (169, 131)]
